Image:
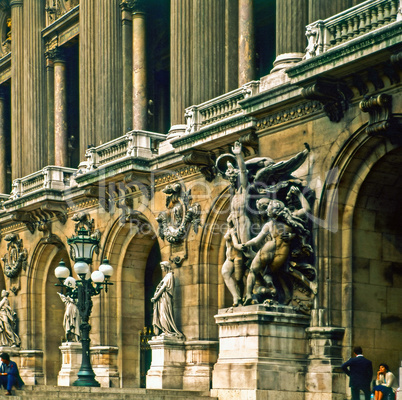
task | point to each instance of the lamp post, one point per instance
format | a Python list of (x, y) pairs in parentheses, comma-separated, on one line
[(87, 286)]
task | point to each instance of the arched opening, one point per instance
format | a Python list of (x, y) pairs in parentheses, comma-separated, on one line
[(377, 262)]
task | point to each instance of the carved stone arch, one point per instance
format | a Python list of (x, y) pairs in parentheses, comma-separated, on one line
[(354, 162), (128, 245), (42, 325), (214, 295)]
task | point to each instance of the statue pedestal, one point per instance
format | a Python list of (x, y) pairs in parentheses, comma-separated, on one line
[(71, 353), (262, 353), (325, 380), (104, 364), (168, 362)]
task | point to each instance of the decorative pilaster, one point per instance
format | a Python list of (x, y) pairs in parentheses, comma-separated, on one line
[(180, 59), (17, 88), (108, 66), (246, 42), (3, 160), (34, 134), (87, 77), (139, 67), (208, 63), (50, 107), (127, 46), (60, 110), (291, 20)]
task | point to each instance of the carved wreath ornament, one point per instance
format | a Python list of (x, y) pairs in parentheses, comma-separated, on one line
[(16, 258), (175, 222)]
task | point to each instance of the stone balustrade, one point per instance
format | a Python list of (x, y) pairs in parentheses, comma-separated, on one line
[(325, 34), (51, 177), (219, 108), (139, 144)]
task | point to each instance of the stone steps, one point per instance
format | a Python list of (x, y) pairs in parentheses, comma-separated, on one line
[(87, 393)]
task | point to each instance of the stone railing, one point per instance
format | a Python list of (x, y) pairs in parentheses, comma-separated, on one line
[(51, 177), (56, 8), (139, 144), (322, 35), (219, 108)]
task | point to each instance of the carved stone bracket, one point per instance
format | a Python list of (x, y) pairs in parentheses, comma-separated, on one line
[(205, 160), (249, 143), (381, 120), (175, 222), (26, 218), (16, 257), (333, 95)]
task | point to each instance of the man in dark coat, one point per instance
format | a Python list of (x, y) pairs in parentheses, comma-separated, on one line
[(360, 371), (9, 374)]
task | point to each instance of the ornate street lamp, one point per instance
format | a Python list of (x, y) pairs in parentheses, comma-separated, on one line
[(83, 245)]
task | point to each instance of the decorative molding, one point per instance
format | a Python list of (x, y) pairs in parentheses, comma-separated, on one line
[(381, 121), (177, 174), (290, 114), (205, 160), (333, 95), (16, 257)]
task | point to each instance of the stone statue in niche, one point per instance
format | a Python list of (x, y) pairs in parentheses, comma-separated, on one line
[(163, 321), (8, 336), (72, 319), (268, 241)]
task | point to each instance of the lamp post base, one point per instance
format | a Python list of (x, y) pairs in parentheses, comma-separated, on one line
[(86, 378)]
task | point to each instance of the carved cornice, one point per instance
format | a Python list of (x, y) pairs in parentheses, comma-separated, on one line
[(290, 114), (176, 175), (333, 95), (381, 121)]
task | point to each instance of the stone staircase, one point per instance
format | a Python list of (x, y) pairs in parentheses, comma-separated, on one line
[(88, 393)]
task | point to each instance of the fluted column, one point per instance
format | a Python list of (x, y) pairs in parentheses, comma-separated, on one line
[(246, 42), (180, 59), (208, 66), (291, 21), (17, 88), (60, 111), (109, 80), (3, 159), (35, 125), (231, 45), (127, 46), (322, 9), (139, 67), (50, 106), (87, 75)]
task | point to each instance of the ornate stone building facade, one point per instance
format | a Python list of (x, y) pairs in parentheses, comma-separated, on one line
[(129, 115)]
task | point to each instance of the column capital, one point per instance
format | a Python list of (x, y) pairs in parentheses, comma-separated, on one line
[(16, 3), (56, 54), (135, 6)]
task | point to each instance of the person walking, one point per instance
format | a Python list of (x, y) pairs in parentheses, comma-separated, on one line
[(360, 371)]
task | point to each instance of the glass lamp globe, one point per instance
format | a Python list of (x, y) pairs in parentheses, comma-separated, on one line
[(61, 271), (81, 268), (106, 268), (70, 282), (97, 277)]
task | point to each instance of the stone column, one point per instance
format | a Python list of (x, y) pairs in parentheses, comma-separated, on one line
[(139, 67), (50, 106), (180, 59), (60, 111), (127, 45), (208, 46), (322, 9), (34, 145), (87, 75), (109, 80), (291, 21), (246, 42), (17, 88), (232, 45), (3, 160)]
